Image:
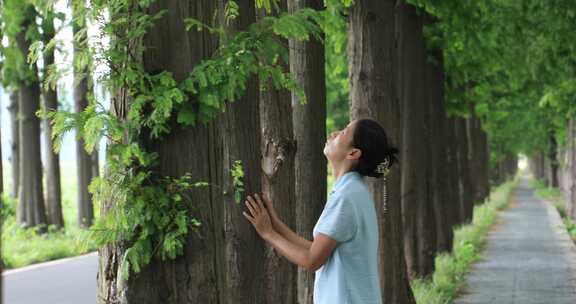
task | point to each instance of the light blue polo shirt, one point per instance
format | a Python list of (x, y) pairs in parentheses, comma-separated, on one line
[(350, 274)]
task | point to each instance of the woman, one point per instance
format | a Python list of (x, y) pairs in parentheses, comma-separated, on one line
[(344, 252)]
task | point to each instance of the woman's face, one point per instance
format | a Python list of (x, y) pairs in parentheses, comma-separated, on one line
[(339, 143)]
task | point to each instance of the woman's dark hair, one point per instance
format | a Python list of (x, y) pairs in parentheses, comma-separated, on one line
[(371, 139)]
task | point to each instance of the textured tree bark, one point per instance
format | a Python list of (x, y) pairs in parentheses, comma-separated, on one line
[(476, 155), (13, 108), (223, 264), (419, 216), (31, 200), (1, 217), (83, 159), (553, 160), (1, 182), (465, 169), (374, 74), (53, 186), (95, 160), (1, 206), (453, 172), (309, 122), (484, 162), (278, 183), (572, 168), (438, 143)]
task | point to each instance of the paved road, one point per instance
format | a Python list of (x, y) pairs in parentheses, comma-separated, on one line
[(529, 258), (68, 281)]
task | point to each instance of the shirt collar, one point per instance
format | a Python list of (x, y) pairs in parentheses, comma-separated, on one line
[(343, 178)]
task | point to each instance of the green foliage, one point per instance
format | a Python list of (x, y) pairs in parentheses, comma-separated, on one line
[(17, 16), (514, 60), (150, 216), (238, 180), (337, 83)]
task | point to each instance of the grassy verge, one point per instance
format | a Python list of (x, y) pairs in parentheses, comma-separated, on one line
[(469, 241), (554, 195), (21, 247)]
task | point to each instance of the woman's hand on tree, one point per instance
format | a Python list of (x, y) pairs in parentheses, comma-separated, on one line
[(259, 216), (268, 204)]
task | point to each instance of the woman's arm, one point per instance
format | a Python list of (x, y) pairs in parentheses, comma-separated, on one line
[(290, 235), (311, 259)]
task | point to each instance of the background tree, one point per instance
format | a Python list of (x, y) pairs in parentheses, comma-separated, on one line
[(418, 209), (307, 64), (50, 97), (374, 72), (31, 208), (82, 87), (278, 182), (13, 108)]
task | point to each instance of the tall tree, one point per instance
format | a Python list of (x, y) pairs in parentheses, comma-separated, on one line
[(437, 142), (13, 108), (31, 201), (454, 178), (278, 153), (309, 121), (374, 71), (1, 171), (81, 92), (1, 204), (554, 165), (53, 186), (465, 172), (571, 168), (417, 206), (224, 265)]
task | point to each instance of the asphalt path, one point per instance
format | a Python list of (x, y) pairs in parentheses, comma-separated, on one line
[(65, 281)]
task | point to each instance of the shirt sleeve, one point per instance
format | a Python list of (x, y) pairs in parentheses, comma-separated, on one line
[(338, 220)]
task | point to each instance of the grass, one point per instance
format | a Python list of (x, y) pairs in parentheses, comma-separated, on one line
[(554, 195), (469, 240), (21, 247)]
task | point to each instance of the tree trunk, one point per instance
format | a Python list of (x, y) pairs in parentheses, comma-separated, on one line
[(31, 200), (485, 162), (95, 160), (224, 265), (476, 151), (437, 143), (2, 208), (453, 166), (571, 140), (15, 143), (278, 183), (419, 219), (373, 58), (465, 173), (553, 160), (83, 159), (53, 187), (309, 122), (1, 178)]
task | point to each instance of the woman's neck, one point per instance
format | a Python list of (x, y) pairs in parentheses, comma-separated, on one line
[(340, 170)]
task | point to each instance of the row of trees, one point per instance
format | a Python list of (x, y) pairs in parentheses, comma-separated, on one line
[(556, 166), (37, 185), (460, 87), (444, 167)]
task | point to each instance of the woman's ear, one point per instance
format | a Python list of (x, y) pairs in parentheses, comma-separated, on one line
[(355, 153)]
